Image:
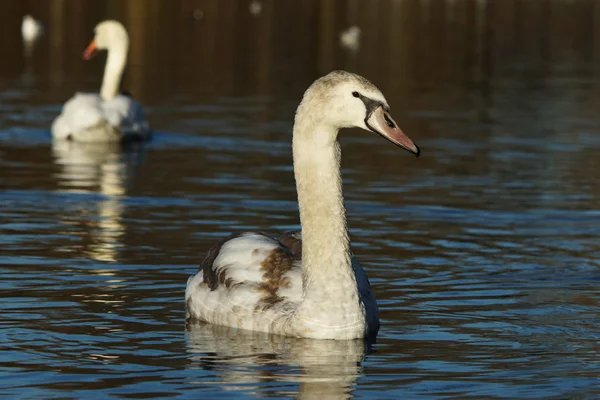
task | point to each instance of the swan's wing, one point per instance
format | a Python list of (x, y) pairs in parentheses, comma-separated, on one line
[(126, 114), (253, 259), (60, 128), (249, 271), (293, 241), (80, 113)]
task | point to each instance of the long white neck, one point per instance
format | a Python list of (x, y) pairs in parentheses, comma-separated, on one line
[(115, 64), (326, 259)]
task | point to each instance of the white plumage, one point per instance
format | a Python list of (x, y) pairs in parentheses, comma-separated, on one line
[(86, 117), (31, 29), (108, 116), (305, 284), (350, 38), (255, 7)]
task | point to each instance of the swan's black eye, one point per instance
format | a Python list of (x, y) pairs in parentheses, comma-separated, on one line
[(355, 94)]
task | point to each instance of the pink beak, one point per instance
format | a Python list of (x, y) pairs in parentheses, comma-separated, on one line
[(382, 123)]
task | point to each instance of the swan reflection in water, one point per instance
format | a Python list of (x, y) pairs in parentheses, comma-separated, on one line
[(251, 361), (96, 168)]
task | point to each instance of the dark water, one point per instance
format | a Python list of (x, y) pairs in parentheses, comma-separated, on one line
[(482, 253)]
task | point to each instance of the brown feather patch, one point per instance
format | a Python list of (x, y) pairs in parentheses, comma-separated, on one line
[(214, 277), (293, 241), (274, 266)]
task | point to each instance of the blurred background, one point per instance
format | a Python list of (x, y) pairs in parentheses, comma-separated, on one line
[(482, 253), (204, 48)]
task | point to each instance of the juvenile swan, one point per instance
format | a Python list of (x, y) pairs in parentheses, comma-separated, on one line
[(305, 284), (110, 116)]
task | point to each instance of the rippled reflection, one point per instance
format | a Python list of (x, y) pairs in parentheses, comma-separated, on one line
[(102, 168), (248, 361)]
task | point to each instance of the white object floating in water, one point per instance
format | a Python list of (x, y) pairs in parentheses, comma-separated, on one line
[(350, 38), (31, 29), (255, 7)]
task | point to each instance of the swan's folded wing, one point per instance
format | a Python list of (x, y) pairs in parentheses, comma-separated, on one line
[(126, 114), (81, 112), (60, 128), (88, 118), (293, 241), (247, 270)]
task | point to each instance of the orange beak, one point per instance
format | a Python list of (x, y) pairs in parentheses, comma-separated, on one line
[(90, 51)]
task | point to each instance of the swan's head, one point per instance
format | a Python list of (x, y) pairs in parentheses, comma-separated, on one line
[(342, 99), (107, 35)]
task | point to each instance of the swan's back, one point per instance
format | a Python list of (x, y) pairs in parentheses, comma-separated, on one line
[(88, 118)]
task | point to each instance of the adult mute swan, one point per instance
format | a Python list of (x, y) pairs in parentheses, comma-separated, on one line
[(110, 116), (305, 284)]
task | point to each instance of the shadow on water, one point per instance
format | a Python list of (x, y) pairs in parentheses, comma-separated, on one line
[(482, 254)]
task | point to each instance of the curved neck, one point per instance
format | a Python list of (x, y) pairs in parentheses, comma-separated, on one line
[(115, 64), (326, 257)]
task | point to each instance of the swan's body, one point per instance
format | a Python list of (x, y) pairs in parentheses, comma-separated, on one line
[(309, 284), (87, 117), (31, 29), (108, 116)]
